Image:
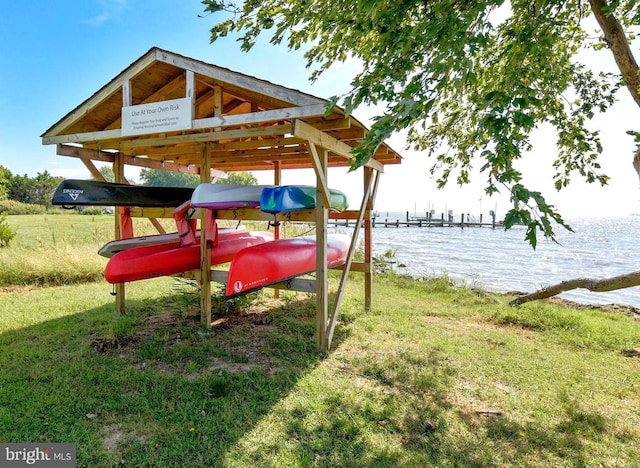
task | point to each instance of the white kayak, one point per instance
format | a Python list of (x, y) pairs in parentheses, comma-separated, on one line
[(111, 248), (226, 196)]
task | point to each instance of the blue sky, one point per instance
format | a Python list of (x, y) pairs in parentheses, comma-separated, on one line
[(55, 54)]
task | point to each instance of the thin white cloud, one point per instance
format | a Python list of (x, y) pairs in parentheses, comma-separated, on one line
[(110, 10)]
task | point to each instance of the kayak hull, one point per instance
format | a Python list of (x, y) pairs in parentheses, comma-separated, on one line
[(169, 259), (74, 192), (265, 264), (227, 196), (284, 198), (109, 249)]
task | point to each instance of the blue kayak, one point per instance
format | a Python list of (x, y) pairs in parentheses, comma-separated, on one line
[(282, 198)]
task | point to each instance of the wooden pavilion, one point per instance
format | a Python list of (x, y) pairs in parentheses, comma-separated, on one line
[(170, 112)]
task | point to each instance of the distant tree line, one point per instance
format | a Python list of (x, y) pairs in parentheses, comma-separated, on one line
[(39, 190), (159, 178), (36, 190)]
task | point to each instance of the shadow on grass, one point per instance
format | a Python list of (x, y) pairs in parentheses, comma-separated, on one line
[(399, 410), (567, 440), (152, 388)]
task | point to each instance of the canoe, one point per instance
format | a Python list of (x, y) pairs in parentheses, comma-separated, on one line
[(109, 249), (278, 199), (272, 262), (227, 196), (74, 192), (169, 259)]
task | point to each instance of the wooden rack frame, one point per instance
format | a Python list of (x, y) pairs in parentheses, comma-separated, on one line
[(237, 123)]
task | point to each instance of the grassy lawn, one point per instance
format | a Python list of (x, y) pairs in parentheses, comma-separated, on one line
[(431, 376)]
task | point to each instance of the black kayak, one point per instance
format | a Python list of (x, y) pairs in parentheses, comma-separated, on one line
[(73, 192)]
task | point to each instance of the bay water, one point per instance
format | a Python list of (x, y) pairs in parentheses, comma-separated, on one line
[(499, 260)]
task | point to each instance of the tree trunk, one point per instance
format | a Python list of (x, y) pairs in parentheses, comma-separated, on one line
[(619, 44), (607, 284)]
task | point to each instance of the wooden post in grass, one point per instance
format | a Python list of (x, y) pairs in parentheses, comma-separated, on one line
[(118, 172), (205, 246), (320, 157), (368, 251), (277, 180)]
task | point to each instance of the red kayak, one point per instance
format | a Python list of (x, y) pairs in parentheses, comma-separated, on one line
[(261, 265), (168, 259)]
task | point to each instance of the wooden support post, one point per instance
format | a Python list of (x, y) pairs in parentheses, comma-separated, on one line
[(322, 278), (368, 251), (205, 246), (277, 180), (217, 104), (118, 172)]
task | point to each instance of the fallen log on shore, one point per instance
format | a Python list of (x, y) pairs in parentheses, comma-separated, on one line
[(596, 285)]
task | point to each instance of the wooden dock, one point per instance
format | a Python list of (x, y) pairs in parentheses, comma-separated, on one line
[(429, 220)]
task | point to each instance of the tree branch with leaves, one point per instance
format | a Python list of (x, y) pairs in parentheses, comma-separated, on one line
[(468, 80)]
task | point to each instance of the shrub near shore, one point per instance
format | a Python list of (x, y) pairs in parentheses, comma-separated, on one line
[(431, 375)]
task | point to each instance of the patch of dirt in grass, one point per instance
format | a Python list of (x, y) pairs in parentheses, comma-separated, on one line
[(238, 340), (458, 327), (633, 352), (109, 345), (16, 289), (114, 437), (152, 325)]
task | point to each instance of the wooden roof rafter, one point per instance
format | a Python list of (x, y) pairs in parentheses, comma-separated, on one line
[(246, 123)]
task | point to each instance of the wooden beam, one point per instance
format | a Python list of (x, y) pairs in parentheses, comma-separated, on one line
[(217, 106), (309, 133), (106, 91), (278, 141), (118, 172), (253, 118), (368, 242), (159, 227), (352, 249), (320, 167), (254, 214), (138, 212), (205, 248), (104, 156), (190, 87), (82, 137), (277, 180), (93, 170), (333, 124), (237, 79), (360, 267), (323, 342), (126, 93), (268, 149), (209, 136)]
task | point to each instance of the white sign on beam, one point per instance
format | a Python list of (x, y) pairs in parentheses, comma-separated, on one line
[(157, 117)]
